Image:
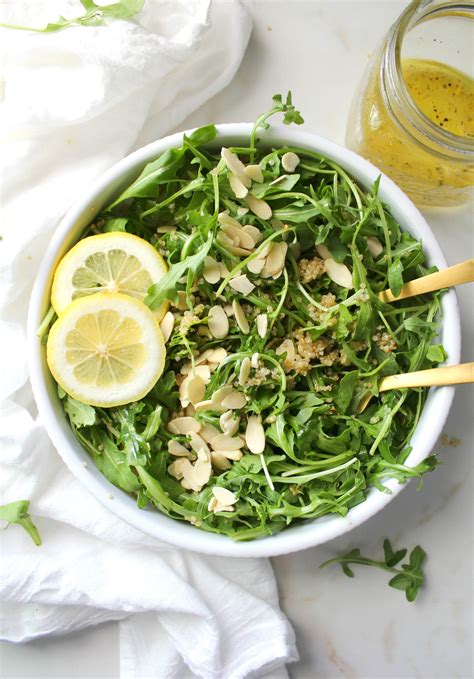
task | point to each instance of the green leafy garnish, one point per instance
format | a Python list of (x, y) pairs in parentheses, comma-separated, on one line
[(321, 456), (408, 579), (94, 15), (17, 512)]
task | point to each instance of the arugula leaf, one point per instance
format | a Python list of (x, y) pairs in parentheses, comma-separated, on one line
[(409, 579), (395, 276), (80, 414), (94, 15), (17, 512), (165, 289)]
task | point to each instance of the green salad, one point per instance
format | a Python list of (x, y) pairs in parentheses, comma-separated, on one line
[(274, 333)]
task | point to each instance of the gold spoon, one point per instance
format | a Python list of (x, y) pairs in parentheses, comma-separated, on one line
[(434, 377), (446, 278)]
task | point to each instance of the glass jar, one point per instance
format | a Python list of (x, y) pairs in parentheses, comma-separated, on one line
[(413, 113)]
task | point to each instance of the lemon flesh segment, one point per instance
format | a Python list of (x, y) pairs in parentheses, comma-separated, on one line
[(106, 350), (109, 262)]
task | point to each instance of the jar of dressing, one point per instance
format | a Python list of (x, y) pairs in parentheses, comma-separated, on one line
[(413, 115)]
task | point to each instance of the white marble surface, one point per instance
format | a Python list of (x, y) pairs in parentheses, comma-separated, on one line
[(345, 628)]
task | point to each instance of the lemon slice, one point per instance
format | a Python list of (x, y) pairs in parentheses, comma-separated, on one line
[(106, 350), (109, 262)]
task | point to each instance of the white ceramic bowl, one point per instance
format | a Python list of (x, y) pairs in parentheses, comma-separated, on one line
[(150, 521)]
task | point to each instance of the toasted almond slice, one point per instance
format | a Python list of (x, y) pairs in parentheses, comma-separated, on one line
[(219, 395), (219, 461), (287, 347), (228, 423), (290, 161), (225, 442), (253, 232), (204, 372), (238, 187), (225, 219), (208, 432), (242, 284), (198, 444), (212, 272), (265, 251), (183, 392), (240, 317), (235, 165), (167, 325), (259, 207), (339, 273), (255, 435), (256, 265), (229, 310), (254, 173), (246, 241), (196, 388), (184, 426), (177, 449), (224, 496), (177, 467), (232, 231), (244, 371), (254, 360), (223, 269), (234, 401), (275, 260), (374, 246), (262, 325), (217, 355), (201, 473), (181, 304), (213, 505), (232, 454), (323, 252), (166, 229), (228, 244), (218, 322), (204, 405), (241, 211)]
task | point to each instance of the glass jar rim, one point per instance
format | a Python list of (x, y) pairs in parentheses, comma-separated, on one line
[(417, 12)]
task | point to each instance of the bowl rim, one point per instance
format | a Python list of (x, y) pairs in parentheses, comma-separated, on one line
[(151, 521)]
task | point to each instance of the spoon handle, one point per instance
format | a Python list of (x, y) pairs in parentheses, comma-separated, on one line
[(435, 377), (446, 278)]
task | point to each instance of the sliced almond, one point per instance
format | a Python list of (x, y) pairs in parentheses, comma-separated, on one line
[(190, 410), (223, 269), (323, 252), (241, 211), (240, 317), (259, 207), (217, 355), (203, 331), (253, 232), (218, 322), (184, 426), (256, 265), (229, 245), (181, 304), (246, 240), (177, 467), (374, 246), (224, 496), (204, 405), (219, 395), (229, 310), (213, 505), (339, 273), (254, 173), (275, 260), (255, 435), (196, 388), (290, 161), (198, 444), (212, 272), (234, 401), (177, 449), (238, 187), (208, 432), (254, 360), (235, 165), (244, 371), (201, 473), (262, 325), (226, 442), (242, 284), (233, 231), (220, 461), (229, 423), (287, 347), (225, 219), (232, 454), (167, 325)]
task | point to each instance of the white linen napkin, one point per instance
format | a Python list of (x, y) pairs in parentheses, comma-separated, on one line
[(71, 104)]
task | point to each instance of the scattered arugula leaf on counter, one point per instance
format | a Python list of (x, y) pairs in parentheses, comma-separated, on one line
[(94, 15), (409, 578), (17, 512)]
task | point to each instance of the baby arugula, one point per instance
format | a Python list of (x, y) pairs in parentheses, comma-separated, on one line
[(409, 578), (17, 512), (94, 15)]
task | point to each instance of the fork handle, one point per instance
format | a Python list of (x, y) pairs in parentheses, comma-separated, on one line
[(446, 278), (435, 377)]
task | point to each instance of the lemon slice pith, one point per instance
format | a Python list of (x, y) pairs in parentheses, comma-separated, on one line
[(109, 262), (106, 350)]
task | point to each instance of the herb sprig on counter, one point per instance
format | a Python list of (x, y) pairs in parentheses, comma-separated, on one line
[(409, 578), (302, 342), (17, 512)]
